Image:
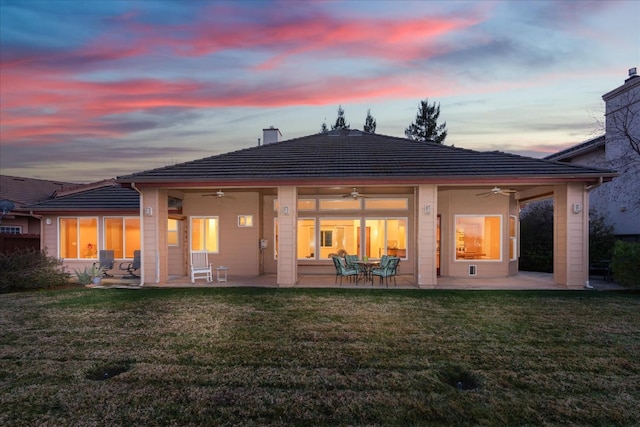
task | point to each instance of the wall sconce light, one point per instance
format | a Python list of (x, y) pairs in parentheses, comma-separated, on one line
[(576, 208), (148, 211), (427, 209), (48, 221), (285, 210)]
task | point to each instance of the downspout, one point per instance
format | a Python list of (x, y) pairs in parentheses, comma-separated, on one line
[(590, 188), (140, 213)]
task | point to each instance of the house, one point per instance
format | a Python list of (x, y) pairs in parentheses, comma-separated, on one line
[(619, 200), (283, 207), (20, 229), (77, 223)]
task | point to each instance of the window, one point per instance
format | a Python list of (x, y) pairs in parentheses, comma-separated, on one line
[(339, 204), (306, 238), (205, 234), (172, 232), (513, 240), (275, 237), (78, 238), (307, 204), (386, 236), (478, 237), (326, 238), (245, 220), (343, 234), (122, 235), (386, 204), (7, 229)]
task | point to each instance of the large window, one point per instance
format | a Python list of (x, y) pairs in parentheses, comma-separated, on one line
[(205, 234), (122, 235), (385, 236), (479, 237), (78, 238), (338, 234)]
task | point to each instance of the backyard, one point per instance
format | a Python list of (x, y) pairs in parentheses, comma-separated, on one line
[(319, 357)]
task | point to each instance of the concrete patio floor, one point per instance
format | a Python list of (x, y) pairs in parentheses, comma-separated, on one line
[(521, 281)]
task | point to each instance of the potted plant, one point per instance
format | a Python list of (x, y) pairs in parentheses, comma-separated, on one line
[(96, 272)]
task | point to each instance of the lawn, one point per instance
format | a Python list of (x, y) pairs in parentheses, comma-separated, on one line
[(319, 357)]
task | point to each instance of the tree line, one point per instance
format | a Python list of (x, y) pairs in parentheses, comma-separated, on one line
[(425, 128)]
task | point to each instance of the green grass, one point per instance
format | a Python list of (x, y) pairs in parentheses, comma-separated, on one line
[(319, 357)]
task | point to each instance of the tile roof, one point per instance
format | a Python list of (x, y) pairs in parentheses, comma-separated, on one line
[(578, 149), (23, 191), (358, 155), (108, 198)]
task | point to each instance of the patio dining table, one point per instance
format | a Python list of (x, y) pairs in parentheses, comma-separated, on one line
[(367, 267)]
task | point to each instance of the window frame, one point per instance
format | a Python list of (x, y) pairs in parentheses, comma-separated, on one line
[(78, 243), (500, 238), (217, 235)]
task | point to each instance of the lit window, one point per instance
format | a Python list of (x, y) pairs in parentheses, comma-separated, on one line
[(245, 220), (306, 238), (204, 234), (339, 204), (386, 204), (275, 234), (307, 204), (478, 237), (172, 232), (339, 234), (78, 238), (122, 235), (386, 236)]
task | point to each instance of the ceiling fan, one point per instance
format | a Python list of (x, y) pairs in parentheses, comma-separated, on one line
[(218, 194), (355, 195), (496, 190)]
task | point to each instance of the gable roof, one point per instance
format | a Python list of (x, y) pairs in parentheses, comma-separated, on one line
[(24, 191), (579, 149), (353, 154), (104, 198)]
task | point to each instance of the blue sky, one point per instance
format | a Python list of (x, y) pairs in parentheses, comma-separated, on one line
[(95, 89)]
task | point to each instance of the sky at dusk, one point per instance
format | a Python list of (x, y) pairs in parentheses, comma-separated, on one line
[(94, 89)]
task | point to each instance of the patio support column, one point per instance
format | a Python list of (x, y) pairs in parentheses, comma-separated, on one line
[(571, 235), (427, 215), (153, 233), (287, 237)]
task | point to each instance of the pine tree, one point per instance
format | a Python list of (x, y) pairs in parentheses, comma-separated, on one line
[(426, 126), (324, 128), (370, 123), (341, 123)]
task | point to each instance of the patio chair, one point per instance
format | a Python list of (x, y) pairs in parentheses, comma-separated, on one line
[(343, 271), (200, 267), (105, 262), (351, 261), (132, 266), (390, 270)]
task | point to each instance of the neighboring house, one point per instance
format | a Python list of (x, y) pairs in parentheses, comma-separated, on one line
[(619, 200), (20, 229), (79, 222)]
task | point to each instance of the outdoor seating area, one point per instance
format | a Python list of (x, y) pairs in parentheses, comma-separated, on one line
[(366, 270)]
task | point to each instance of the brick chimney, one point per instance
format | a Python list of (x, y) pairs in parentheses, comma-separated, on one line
[(271, 135)]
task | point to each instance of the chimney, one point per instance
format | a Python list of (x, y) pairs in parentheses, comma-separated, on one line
[(633, 73), (271, 135)]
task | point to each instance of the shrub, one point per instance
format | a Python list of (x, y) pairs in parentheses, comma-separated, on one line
[(30, 269), (536, 231), (601, 237), (625, 264)]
